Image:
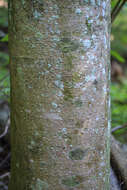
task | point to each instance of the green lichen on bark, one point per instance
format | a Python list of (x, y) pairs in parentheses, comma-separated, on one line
[(77, 154), (40, 185), (68, 94), (68, 45), (68, 65), (72, 181)]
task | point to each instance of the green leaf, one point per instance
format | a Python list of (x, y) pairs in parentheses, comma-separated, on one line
[(5, 39), (117, 56), (113, 3)]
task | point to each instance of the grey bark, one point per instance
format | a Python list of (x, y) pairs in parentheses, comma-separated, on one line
[(114, 184), (119, 161), (59, 57)]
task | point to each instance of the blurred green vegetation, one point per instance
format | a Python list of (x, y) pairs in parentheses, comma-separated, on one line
[(119, 103), (3, 17), (4, 58), (119, 88), (119, 33), (118, 52), (119, 109)]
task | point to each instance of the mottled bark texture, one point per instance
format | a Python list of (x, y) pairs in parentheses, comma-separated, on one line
[(59, 54)]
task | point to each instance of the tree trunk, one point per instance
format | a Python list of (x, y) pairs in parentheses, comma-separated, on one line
[(60, 118)]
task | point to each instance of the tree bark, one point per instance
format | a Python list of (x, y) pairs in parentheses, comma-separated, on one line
[(60, 112), (119, 162)]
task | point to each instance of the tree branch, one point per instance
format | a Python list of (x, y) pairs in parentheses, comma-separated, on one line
[(117, 9), (5, 175), (6, 129), (119, 127)]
